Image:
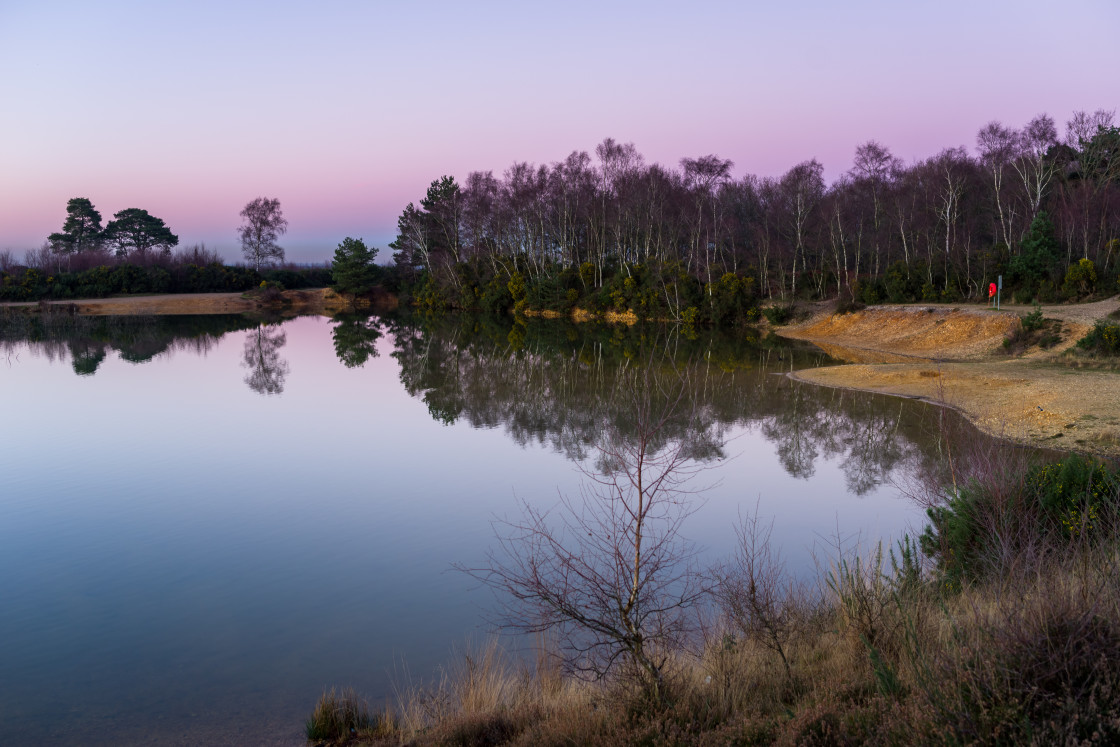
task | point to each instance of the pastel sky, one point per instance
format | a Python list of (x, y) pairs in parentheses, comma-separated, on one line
[(346, 111)]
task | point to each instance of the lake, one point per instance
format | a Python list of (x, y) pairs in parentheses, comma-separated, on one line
[(205, 521)]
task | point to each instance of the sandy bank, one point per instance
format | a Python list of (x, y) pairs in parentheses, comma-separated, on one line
[(311, 301), (952, 356)]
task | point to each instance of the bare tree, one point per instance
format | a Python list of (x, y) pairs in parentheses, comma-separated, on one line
[(755, 592), (608, 572), (998, 147), (1035, 168), (264, 224)]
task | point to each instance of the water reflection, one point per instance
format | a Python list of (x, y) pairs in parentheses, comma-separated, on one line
[(267, 370), (553, 383), (355, 339), (544, 381), (159, 601), (86, 340)]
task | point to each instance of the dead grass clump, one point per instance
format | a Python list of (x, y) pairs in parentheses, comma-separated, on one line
[(341, 717)]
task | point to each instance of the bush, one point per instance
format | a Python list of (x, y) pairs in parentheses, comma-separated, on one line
[(849, 306), (1074, 498), (778, 314), (1081, 279), (1033, 321), (1102, 339)]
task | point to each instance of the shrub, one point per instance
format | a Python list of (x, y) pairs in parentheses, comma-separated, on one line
[(1081, 278), (1033, 321), (1033, 330), (849, 306), (1102, 339), (778, 314), (1068, 499)]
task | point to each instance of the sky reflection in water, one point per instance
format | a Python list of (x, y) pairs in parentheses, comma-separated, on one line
[(204, 521)]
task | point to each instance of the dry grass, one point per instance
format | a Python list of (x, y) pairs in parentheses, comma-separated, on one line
[(873, 655)]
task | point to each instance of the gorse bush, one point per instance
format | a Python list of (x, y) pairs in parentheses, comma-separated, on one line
[(1102, 339), (1075, 498)]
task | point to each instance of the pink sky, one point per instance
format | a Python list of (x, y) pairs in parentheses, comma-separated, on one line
[(345, 111)]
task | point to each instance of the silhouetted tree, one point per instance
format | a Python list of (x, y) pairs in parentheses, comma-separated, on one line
[(136, 231), (81, 231), (263, 224)]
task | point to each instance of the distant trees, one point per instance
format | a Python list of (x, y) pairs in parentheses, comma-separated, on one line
[(82, 230), (263, 224), (939, 228), (136, 231), (133, 232)]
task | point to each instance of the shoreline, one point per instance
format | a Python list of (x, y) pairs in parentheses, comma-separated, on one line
[(322, 301), (946, 355), (1040, 398)]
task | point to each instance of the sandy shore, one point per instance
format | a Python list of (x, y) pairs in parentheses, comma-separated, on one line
[(311, 301), (952, 355)]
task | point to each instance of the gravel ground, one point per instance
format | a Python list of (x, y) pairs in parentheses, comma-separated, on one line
[(951, 355)]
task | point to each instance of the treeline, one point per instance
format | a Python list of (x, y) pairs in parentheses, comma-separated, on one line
[(1040, 209), (30, 283), (135, 253)]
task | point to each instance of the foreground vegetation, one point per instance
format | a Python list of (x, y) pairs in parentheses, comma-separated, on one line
[(1000, 626)]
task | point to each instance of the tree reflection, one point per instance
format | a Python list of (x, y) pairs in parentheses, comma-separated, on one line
[(86, 341), (86, 357), (355, 339), (267, 370), (555, 387)]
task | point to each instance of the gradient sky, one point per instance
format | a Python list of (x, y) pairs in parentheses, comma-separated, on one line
[(346, 111)]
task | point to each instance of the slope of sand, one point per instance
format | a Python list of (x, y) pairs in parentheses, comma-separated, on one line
[(951, 356)]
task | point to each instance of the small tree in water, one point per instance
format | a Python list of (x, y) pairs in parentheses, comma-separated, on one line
[(608, 572)]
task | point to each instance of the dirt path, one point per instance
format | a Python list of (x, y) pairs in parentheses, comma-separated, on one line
[(316, 300), (952, 355)]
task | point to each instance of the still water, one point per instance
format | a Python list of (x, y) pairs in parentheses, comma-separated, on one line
[(204, 521)]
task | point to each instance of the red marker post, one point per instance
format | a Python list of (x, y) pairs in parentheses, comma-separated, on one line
[(991, 293)]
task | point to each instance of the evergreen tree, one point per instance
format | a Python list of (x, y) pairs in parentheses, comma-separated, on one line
[(81, 231), (133, 229), (353, 270)]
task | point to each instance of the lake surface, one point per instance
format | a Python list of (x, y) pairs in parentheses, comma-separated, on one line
[(205, 521)]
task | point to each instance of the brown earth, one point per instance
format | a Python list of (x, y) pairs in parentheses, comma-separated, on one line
[(313, 301), (952, 355)]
